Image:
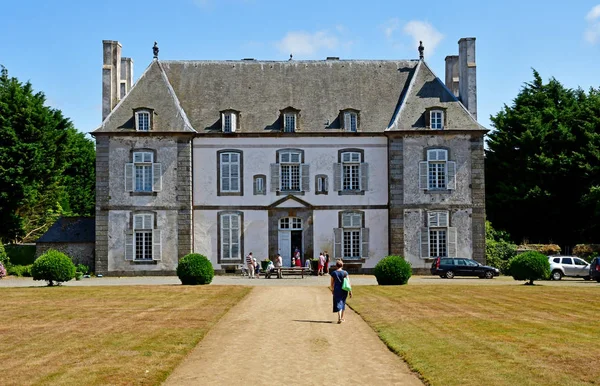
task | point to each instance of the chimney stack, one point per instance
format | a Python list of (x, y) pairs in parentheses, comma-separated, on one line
[(126, 76), (452, 74), (117, 76), (467, 75)]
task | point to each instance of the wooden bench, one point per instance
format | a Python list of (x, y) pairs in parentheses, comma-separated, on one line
[(280, 271)]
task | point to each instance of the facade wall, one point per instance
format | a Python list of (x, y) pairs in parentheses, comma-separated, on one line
[(259, 153), (80, 253)]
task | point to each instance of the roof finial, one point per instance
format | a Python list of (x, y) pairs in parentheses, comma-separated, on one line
[(155, 50), (291, 56), (421, 49)]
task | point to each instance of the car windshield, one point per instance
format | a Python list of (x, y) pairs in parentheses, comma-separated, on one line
[(472, 263)]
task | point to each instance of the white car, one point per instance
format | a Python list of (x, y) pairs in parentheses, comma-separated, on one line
[(570, 266)]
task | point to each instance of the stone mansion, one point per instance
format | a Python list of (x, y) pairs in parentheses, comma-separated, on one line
[(360, 158)]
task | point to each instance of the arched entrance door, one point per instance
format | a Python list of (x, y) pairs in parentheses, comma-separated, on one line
[(290, 238)]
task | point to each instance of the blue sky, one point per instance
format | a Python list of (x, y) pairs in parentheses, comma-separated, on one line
[(57, 45)]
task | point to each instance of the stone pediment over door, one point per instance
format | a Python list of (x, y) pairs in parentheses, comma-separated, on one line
[(290, 201)]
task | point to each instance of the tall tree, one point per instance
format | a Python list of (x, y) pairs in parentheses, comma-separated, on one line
[(543, 164), (36, 148)]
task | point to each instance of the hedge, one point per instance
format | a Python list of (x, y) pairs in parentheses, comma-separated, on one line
[(20, 254)]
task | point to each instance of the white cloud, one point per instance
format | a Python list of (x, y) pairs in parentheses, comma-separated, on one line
[(592, 32), (306, 44), (425, 32), (390, 26)]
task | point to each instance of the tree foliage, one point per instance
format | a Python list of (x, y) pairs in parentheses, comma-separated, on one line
[(46, 166), (543, 165)]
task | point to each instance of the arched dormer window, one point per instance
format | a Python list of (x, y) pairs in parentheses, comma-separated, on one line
[(143, 119), (350, 120), (289, 119), (229, 121)]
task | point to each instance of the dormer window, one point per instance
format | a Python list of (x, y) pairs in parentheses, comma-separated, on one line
[(349, 119), (289, 119), (229, 121), (142, 120), (437, 119)]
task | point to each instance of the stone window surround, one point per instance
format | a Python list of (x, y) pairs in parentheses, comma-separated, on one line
[(130, 228), (451, 234), (427, 116), (277, 156), (220, 260), (241, 155), (236, 121), (343, 120), (362, 160), (154, 160), (283, 113), (362, 229), (448, 159), (325, 189), (264, 178), (150, 112)]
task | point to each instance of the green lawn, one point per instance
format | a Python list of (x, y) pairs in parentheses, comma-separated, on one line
[(489, 335), (126, 335)]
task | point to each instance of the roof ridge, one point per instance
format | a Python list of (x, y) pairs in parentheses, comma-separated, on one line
[(401, 104)]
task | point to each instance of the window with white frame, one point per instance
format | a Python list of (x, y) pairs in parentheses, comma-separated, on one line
[(228, 121), (142, 120), (350, 121), (143, 174), (350, 174), (143, 242), (230, 172), (290, 176), (436, 119), (260, 184), (437, 173), (289, 122), (322, 184), (351, 240), (291, 223), (351, 171), (230, 246), (438, 239)]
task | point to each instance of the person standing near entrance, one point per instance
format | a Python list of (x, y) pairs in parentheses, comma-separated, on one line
[(326, 268), (321, 263), (250, 265), (339, 294)]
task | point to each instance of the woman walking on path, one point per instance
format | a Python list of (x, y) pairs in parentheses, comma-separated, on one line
[(339, 295)]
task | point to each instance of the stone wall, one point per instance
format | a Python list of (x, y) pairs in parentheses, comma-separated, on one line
[(80, 253)]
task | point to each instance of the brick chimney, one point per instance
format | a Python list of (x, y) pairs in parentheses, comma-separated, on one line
[(467, 75)]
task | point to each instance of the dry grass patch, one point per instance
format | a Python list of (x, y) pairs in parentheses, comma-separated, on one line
[(130, 335), (489, 335)]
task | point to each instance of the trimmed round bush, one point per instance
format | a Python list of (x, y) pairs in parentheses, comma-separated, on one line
[(195, 269), (392, 270), (531, 265), (54, 267)]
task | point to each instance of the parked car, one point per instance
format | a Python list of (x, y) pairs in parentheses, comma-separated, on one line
[(595, 269), (570, 266), (446, 267)]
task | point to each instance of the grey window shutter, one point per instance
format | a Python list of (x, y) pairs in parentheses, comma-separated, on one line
[(156, 177), (337, 243), (129, 245), (304, 171), (156, 245), (425, 242), (423, 174), (347, 122), (337, 177), (452, 250), (129, 172), (364, 234), (364, 176), (451, 165), (274, 177)]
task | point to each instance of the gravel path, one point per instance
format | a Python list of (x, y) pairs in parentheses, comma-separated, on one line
[(288, 336)]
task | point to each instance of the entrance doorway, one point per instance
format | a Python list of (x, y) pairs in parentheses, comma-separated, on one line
[(290, 238)]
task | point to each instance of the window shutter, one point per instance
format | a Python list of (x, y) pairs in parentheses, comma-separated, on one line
[(156, 177), (304, 168), (255, 186), (129, 172), (364, 176), (129, 245), (425, 242), (427, 119), (451, 165), (423, 175), (337, 177), (443, 218), (233, 122), (156, 245), (452, 250), (364, 234), (274, 177), (337, 243), (347, 122)]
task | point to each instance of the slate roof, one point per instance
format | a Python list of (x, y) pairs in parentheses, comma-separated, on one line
[(188, 96), (71, 230)]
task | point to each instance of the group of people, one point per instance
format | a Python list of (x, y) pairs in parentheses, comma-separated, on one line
[(323, 266)]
